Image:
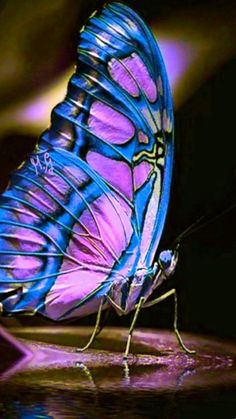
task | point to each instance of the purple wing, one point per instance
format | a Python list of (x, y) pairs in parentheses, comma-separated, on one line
[(70, 234)]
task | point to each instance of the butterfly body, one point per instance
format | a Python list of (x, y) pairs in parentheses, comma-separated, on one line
[(84, 227), (127, 293)]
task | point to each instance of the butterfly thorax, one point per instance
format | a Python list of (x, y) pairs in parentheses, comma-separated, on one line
[(127, 293)]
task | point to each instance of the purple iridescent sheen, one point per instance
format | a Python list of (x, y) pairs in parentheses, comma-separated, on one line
[(123, 77), (109, 124), (117, 173), (130, 73), (141, 173)]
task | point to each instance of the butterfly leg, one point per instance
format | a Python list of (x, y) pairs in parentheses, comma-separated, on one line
[(103, 322), (177, 334), (138, 308), (119, 309), (95, 330)]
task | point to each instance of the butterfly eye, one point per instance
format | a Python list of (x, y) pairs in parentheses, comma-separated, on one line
[(165, 258)]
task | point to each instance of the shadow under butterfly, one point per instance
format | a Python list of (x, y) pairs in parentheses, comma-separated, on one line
[(82, 217)]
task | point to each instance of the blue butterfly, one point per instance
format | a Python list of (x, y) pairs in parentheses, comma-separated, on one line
[(82, 217)]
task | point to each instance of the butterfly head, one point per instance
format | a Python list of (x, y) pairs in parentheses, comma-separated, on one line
[(168, 260)]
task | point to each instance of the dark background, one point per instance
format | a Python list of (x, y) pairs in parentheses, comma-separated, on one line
[(42, 37)]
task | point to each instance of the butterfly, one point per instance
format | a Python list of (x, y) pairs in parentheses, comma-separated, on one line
[(82, 217)]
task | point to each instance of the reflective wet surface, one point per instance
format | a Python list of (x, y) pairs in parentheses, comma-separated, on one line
[(51, 380)]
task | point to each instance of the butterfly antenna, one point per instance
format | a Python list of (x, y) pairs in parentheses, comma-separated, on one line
[(192, 227), (201, 222)]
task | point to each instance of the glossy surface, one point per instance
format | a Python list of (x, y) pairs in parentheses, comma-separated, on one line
[(160, 378)]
